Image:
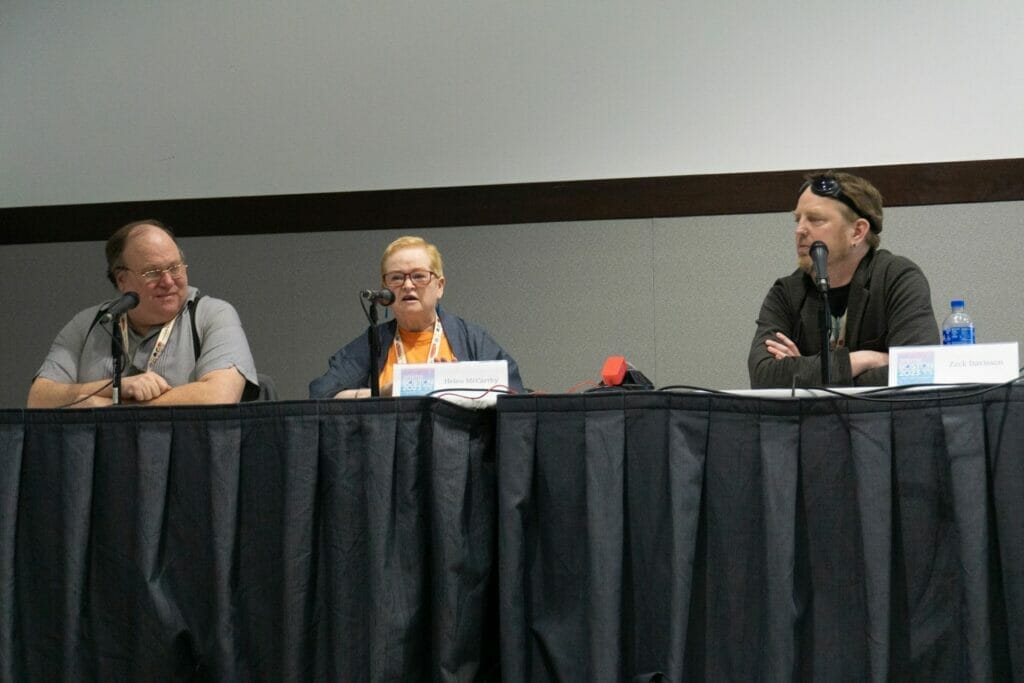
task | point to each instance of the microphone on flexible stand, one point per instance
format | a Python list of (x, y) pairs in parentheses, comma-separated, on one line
[(127, 302), (381, 297), (376, 297), (819, 256)]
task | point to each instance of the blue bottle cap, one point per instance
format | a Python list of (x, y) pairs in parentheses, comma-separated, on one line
[(957, 303)]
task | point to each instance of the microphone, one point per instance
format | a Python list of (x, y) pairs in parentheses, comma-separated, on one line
[(819, 256), (382, 297), (127, 302)]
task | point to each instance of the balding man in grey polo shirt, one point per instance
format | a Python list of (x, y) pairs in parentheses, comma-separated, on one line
[(163, 365)]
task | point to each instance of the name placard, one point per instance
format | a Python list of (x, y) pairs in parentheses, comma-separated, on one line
[(465, 379), (953, 364)]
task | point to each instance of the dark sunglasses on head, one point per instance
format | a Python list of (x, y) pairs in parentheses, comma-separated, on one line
[(824, 186)]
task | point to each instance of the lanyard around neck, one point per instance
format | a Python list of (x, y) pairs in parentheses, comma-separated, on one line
[(435, 344), (161, 341)]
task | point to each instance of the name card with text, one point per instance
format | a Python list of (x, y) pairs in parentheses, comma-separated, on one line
[(953, 364), (466, 379)]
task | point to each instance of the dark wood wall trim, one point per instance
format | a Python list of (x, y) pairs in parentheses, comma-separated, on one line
[(692, 195)]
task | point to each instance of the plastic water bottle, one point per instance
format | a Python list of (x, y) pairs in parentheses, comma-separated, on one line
[(957, 328)]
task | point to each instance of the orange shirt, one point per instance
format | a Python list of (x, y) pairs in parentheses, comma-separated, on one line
[(417, 348)]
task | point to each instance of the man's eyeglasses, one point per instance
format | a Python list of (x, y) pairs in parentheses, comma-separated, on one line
[(419, 278), (177, 271), (824, 186)]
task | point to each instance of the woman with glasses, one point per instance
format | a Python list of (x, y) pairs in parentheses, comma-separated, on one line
[(421, 332), (177, 347), (876, 299)]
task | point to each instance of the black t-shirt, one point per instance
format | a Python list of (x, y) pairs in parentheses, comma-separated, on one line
[(837, 300)]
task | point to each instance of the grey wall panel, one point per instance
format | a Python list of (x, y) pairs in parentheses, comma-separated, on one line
[(43, 286), (711, 274), (560, 297), (969, 251)]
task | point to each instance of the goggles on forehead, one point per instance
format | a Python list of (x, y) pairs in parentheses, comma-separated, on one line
[(824, 186)]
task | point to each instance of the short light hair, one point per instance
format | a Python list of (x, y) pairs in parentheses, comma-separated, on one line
[(862, 193), (407, 241), (118, 241)]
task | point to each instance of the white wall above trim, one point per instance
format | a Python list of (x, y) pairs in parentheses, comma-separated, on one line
[(114, 100)]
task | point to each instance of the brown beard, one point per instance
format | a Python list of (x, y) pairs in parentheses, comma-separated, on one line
[(805, 264)]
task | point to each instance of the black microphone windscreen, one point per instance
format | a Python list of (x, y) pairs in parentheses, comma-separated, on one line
[(127, 302), (819, 257), (381, 297)]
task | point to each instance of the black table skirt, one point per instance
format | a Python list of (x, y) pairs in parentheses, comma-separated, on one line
[(726, 538), (290, 541), (578, 538)]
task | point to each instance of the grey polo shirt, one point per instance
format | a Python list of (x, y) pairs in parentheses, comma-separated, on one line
[(80, 355)]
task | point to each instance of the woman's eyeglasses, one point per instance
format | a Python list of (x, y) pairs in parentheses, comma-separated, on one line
[(419, 278)]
